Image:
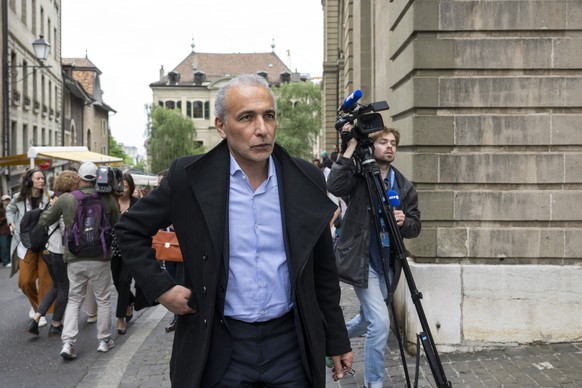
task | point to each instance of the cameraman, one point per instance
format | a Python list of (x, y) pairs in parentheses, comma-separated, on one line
[(358, 256)]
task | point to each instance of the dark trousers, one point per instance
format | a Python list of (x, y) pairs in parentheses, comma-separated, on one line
[(264, 355), (122, 281), (5, 248), (59, 293)]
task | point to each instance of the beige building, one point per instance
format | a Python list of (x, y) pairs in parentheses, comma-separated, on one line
[(192, 85), (31, 89), (487, 95), (46, 103)]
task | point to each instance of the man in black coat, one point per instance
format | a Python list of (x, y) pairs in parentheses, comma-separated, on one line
[(260, 300)]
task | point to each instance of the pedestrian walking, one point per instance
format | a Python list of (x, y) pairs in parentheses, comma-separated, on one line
[(260, 300), (84, 267)]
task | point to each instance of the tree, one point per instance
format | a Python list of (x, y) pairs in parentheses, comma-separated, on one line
[(298, 117), (116, 149), (171, 135)]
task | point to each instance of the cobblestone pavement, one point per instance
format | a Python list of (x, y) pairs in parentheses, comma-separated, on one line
[(146, 361)]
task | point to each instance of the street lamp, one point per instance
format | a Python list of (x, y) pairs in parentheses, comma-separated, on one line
[(42, 49)]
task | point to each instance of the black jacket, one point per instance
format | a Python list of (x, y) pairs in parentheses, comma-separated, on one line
[(194, 198), (353, 247)]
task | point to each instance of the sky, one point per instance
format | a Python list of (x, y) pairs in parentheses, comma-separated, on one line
[(129, 40)]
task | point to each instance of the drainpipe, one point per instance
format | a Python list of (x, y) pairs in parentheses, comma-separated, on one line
[(5, 97)]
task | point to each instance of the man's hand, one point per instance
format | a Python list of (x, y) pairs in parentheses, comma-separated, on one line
[(352, 143), (342, 365), (400, 217), (176, 300)]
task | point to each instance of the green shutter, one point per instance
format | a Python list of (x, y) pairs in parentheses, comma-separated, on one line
[(207, 109)]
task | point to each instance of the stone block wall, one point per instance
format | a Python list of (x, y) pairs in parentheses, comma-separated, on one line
[(487, 95)]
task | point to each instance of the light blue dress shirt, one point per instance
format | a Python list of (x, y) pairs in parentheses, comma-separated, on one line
[(258, 287)]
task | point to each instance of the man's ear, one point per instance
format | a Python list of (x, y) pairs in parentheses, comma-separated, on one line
[(219, 124)]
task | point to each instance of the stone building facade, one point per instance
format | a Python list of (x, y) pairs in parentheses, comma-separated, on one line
[(487, 95)]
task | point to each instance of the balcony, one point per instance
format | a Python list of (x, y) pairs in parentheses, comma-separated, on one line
[(51, 113), (36, 106), (15, 98), (27, 102), (44, 110)]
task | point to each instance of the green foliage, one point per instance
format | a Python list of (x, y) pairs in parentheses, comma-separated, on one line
[(116, 149), (298, 117), (171, 136)]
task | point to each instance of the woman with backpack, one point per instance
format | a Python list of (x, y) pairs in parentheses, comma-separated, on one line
[(30, 265), (121, 276), (65, 183)]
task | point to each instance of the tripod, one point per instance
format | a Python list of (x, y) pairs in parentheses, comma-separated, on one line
[(367, 167)]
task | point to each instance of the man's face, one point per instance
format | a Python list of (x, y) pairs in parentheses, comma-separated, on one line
[(385, 148), (250, 124)]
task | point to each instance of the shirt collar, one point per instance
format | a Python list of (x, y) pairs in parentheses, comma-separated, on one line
[(234, 167)]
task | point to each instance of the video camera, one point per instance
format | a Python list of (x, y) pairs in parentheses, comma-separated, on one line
[(109, 180), (365, 119)]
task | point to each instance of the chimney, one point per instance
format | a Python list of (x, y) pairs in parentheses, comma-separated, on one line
[(162, 72)]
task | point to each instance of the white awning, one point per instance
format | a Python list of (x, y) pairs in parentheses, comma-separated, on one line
[(73, 154)]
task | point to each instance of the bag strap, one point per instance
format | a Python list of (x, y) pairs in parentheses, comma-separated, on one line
[(54, 230)]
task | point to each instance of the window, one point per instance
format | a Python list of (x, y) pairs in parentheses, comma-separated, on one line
[(25, 139), (198, 110), (35, 136), (170, 105), (189, 108), (103, 127), (43, 136), (13, 139), (206, 109), (89, 139)]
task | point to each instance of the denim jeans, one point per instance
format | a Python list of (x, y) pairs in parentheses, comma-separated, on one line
[(374, 321)]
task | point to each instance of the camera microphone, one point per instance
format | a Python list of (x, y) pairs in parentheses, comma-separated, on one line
[(393, 198), (351, 101)]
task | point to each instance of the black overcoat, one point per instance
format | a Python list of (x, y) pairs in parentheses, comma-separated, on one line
[(193, 198)]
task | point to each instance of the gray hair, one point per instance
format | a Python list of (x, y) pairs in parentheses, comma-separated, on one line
[(241, 80)]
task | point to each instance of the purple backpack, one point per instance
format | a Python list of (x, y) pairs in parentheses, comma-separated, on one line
[(90, 235)]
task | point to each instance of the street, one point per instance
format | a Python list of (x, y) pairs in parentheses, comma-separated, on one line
[(33, 361)]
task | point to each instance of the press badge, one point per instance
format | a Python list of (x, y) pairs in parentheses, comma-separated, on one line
[(385, 239)]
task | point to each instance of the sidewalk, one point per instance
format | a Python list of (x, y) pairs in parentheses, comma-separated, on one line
[(143, 361)]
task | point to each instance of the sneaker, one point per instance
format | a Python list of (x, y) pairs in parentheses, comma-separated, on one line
[(8, 265), (105, 345), (68, 352), (91, 318), (32, 326), (42, 322), (31, 313), (55, 331)]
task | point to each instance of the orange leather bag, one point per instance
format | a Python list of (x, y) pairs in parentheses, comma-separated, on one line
[(167, 246)]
